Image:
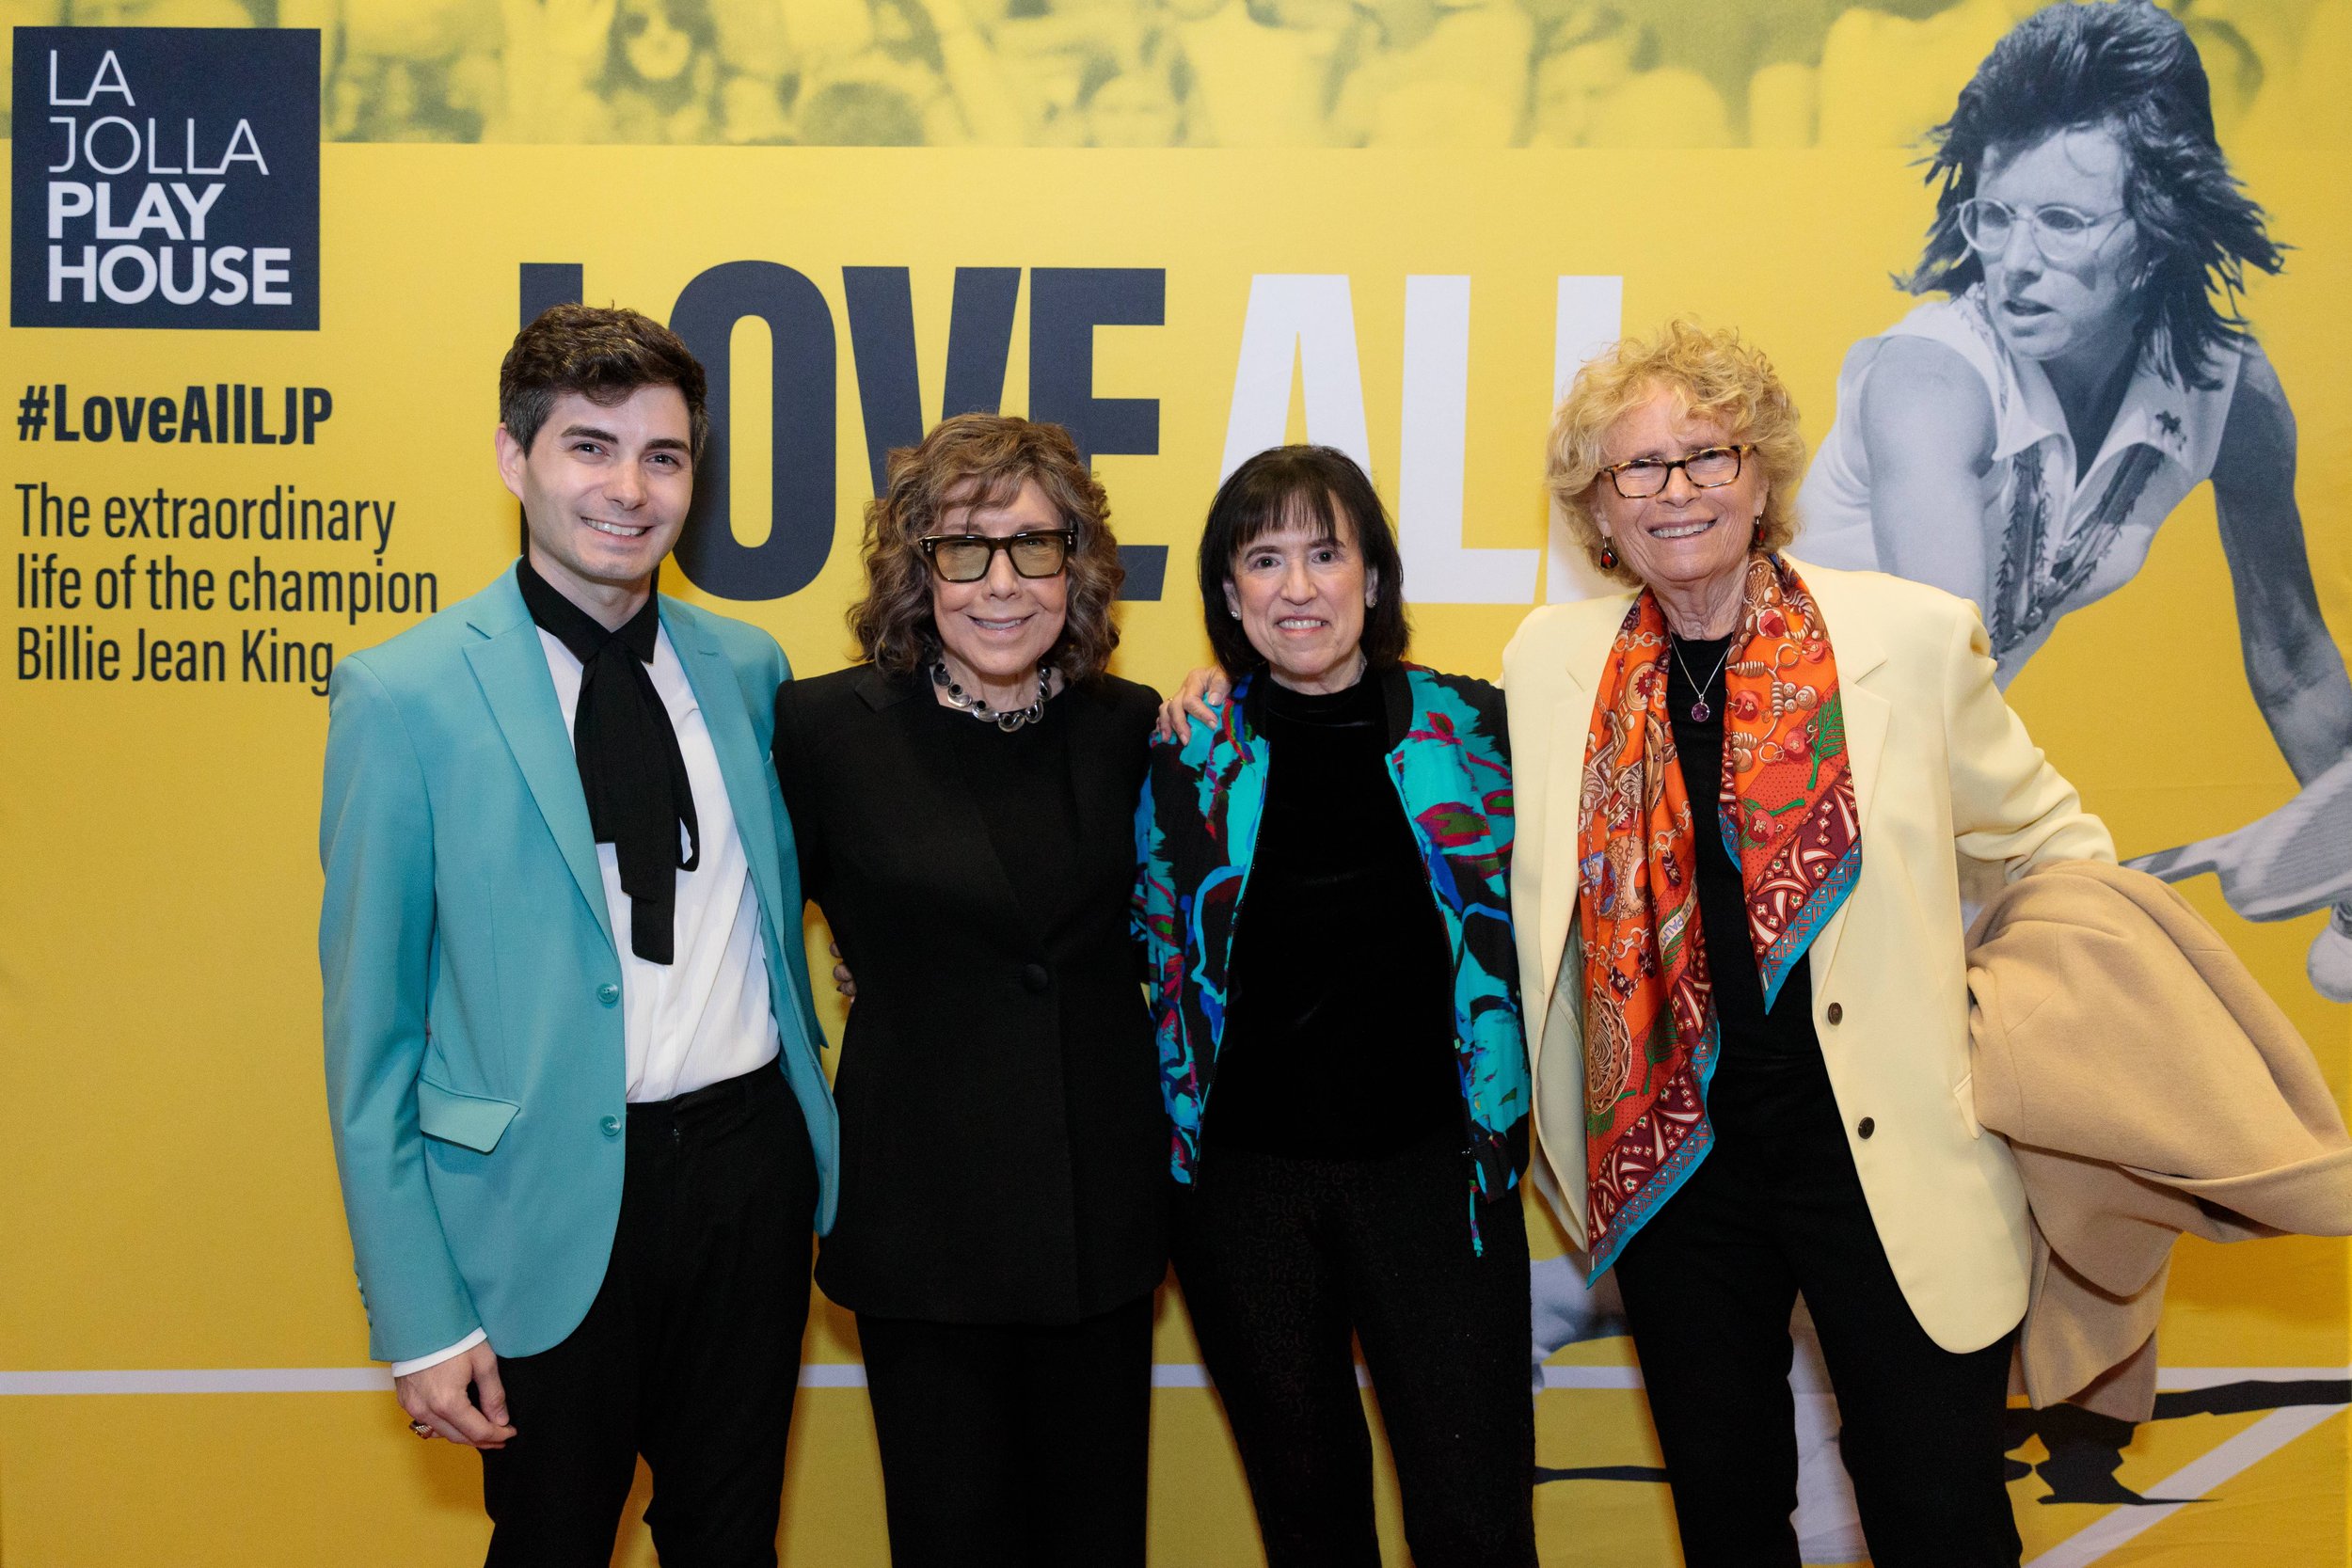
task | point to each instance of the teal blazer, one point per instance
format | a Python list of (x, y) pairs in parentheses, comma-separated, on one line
[(475, 1059)]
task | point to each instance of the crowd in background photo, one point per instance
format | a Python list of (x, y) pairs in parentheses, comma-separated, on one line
[(1290, 73)]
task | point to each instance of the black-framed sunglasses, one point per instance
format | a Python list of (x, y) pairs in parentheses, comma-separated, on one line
[(966, 557), (1708, 468)]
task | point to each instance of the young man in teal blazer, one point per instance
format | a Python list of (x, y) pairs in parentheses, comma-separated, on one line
[(572, 1063)]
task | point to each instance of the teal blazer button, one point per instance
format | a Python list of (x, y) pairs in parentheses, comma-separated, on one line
[(608, 993), (611, 1126)]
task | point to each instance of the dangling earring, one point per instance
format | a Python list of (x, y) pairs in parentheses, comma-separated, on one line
[(1608, 555)]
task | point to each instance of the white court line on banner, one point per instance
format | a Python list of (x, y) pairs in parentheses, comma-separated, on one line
[(1191, 1374), (852, 1374), (2184, 1378), (296, 1379), (2239, 1453), (377, 1380), (205, 1380), (2201, 1475), (1592, 1377), (833, 1374)]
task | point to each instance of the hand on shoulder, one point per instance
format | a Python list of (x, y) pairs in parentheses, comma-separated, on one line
[(1201, 696)]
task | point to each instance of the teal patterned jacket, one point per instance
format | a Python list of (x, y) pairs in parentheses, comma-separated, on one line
[(1196, 832)]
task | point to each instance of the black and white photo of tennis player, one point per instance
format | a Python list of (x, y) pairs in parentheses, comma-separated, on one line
[(2019, 439)]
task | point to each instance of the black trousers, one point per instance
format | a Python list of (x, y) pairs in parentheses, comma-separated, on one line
[(690, 1353), (1776, 1209), (1280, 1260), (1013, 1445)]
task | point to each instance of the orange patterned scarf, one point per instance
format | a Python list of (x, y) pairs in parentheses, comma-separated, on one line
[(1786, 810)]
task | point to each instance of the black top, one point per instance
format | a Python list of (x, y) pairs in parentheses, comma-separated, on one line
[(1338, 1034), (1750, 1034), (1020, 781), (1004, 1155)]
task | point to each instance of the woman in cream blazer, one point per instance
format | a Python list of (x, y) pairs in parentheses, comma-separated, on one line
[(1943, 773), (1943, 777)]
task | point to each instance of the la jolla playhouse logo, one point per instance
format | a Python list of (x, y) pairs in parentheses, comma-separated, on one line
[(166, 176)]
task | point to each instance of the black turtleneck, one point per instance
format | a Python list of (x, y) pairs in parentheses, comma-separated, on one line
[(1338, 1034)]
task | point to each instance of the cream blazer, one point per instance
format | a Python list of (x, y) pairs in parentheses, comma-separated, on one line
[(1943, 773)]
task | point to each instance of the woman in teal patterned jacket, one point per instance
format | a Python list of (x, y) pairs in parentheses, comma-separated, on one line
[(1324, 898)]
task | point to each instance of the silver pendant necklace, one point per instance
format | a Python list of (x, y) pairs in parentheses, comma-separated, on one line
[(1700, 712), (1004, 720)]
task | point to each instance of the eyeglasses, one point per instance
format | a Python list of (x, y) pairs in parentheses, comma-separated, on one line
[(967, 557), (1708, 468), (2060, 234)]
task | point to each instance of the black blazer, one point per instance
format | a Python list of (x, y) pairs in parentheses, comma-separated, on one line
[(1004, 1157)]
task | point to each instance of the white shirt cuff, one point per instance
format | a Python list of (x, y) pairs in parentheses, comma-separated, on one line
[(403, 1368)]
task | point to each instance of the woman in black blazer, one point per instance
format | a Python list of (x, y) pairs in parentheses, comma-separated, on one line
[(965, 806)]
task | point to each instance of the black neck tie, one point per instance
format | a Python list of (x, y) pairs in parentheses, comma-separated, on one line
[(630, 769)]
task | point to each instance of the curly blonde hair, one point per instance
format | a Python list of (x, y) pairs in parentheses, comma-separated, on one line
[(1713, 376), (982, 460)]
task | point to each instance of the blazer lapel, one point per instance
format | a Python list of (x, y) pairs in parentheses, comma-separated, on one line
[(1093, 757), (512, 668), (1548, 846), (1861, 654), (1571, 723), (720, 696), (1554, 846)]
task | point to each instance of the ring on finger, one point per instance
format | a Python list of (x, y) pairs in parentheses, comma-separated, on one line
[(423, 1429)]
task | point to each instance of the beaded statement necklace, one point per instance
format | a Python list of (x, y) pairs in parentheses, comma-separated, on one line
[(1007, 720)]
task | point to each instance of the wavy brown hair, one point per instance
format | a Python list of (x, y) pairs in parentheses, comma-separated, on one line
[(982, 460)]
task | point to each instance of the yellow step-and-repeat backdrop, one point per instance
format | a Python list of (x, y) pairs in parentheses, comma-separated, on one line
[(252, 436)]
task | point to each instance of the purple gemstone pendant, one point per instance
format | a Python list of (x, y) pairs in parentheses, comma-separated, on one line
[(1700, 713)]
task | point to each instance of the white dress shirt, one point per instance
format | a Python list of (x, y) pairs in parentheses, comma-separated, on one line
[(704, 1018)]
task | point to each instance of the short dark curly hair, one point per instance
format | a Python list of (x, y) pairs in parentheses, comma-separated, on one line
[(605, 352), (1316, 486), (2126, 66), (983, 460)]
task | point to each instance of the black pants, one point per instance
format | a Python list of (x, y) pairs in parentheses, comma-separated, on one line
[(1013, 1445), (690, 1353), (1279, 1260), (1774, 1210)]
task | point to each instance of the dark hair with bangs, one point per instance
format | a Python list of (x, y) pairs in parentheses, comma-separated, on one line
[(605, 352), (982, 460), (1317, 485), (2130, 69)]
